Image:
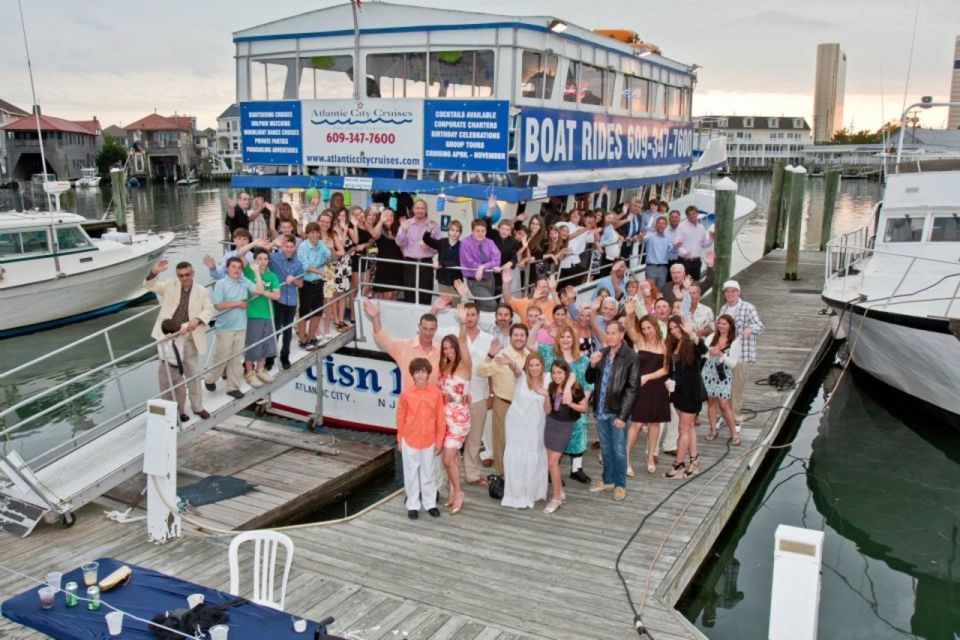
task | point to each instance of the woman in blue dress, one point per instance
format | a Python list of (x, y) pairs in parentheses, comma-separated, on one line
[(723, 355)]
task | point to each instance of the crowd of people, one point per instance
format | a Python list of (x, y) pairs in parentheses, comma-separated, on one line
[(643, 356)]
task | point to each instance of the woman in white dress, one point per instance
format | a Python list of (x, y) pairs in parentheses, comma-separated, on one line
[(524, 456)]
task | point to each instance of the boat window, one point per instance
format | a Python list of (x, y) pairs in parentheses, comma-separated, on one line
[(327, 77), (635, 94), (946, 229), (14, 243), (594, 83), (272, 80), (69, 238), (903, 230), (461, 74), (571, 88), (397, 75), (538, 72)]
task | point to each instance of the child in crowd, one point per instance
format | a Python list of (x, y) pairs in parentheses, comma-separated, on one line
[(421, 428)]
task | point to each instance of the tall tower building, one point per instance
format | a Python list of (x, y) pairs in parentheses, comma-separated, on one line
[(953, 117), (828, 91)]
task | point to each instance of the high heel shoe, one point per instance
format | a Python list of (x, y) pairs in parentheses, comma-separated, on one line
[(552, 506), (652, 466), (629, 472), (713, 434), (676, 470), (694, 467)]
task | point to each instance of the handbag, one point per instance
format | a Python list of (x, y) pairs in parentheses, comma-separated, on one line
[(495, 486)]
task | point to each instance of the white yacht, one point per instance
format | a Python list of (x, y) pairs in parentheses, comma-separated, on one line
[(895, 283), (53, 273)]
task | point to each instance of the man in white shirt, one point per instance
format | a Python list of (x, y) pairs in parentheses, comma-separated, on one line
[(478, 344), (692, 238)]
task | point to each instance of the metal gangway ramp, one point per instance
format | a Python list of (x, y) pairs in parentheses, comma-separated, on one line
[(53, 482)]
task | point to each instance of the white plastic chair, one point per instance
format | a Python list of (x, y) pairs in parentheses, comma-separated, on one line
[(266, 545)]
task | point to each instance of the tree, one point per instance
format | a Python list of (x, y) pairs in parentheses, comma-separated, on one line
[(865, 136), (112, 152)]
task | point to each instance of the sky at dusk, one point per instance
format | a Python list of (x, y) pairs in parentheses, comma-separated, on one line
[(122, 60)]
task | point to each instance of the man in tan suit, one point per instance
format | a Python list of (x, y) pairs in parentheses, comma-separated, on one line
[(502, 366), (189, 306)]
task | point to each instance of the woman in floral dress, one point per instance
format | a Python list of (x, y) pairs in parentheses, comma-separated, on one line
[(347, 234), (330, 289), (455, 371)]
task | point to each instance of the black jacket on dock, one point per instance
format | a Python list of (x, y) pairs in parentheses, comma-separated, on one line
[(623, 384)]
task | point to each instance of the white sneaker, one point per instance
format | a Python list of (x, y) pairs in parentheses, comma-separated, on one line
[(253, 380), (265, 375)]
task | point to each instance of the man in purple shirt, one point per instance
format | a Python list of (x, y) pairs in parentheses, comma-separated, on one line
[(479, 259), (410, 241)]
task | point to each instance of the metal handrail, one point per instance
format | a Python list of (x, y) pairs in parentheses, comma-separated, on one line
[(49, 456), (150, 346), (841, 253)]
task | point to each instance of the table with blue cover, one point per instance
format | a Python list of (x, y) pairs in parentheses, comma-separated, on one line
[(147, 594)]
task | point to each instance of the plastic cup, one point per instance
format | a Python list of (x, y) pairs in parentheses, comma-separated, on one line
[(54, 579), (299, 624), (90, 573), (114, 622), (219, 632), (46, 596), (195, 599)]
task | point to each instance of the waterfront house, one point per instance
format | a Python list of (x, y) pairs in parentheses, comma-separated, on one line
[(8, 113), (228, 138), (69, 145), (162, 147), (755, 143)]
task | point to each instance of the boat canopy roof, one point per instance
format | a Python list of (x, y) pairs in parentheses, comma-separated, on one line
[(387, 18), (12, 220)]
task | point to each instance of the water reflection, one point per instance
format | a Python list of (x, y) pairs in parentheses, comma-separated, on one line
[(884, 488)]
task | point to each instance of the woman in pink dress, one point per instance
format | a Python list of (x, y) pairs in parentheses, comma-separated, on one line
[(455, 368)]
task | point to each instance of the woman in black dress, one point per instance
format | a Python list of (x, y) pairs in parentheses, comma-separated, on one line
[(685, 351), (387, 275), (652, 405)]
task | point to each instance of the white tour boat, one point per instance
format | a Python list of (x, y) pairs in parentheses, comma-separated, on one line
[(386, 103), (53, 273), (895, 283)]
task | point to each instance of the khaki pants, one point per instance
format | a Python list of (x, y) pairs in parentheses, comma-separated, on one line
[(500, 408), (230, 345), (739, 382), (471, 448), (189, 357)]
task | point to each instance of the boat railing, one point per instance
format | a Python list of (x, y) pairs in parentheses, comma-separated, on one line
[(132, 401), (846, 256)]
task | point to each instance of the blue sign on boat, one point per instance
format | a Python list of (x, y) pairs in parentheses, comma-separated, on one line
[(557, 140), (271, 132), (469, 135)]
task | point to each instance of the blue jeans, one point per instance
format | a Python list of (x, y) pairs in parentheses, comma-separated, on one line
[(613, 445), (658, 273)]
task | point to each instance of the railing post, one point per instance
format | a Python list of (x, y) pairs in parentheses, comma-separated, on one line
[(906, 271), (116, 374)]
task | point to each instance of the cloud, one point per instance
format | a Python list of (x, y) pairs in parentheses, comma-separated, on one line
[(774, 17)]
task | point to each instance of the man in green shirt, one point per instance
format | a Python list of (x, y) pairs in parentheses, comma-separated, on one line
[(261, 343)]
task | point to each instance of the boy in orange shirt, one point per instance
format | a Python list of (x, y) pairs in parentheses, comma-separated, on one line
[(421, 428)]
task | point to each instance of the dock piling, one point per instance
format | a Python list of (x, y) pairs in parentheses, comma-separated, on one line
[(725, 200), (831, 186), (795, 217), (117, 177), (781, 240), (774, 208)]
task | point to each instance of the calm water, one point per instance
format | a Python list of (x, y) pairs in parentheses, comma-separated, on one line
[(883, 483)]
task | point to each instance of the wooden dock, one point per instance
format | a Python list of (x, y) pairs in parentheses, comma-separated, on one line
[(492, 572), (293, 471)]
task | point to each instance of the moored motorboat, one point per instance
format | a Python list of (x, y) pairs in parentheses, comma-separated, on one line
[(895, 284), (53, 273)]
